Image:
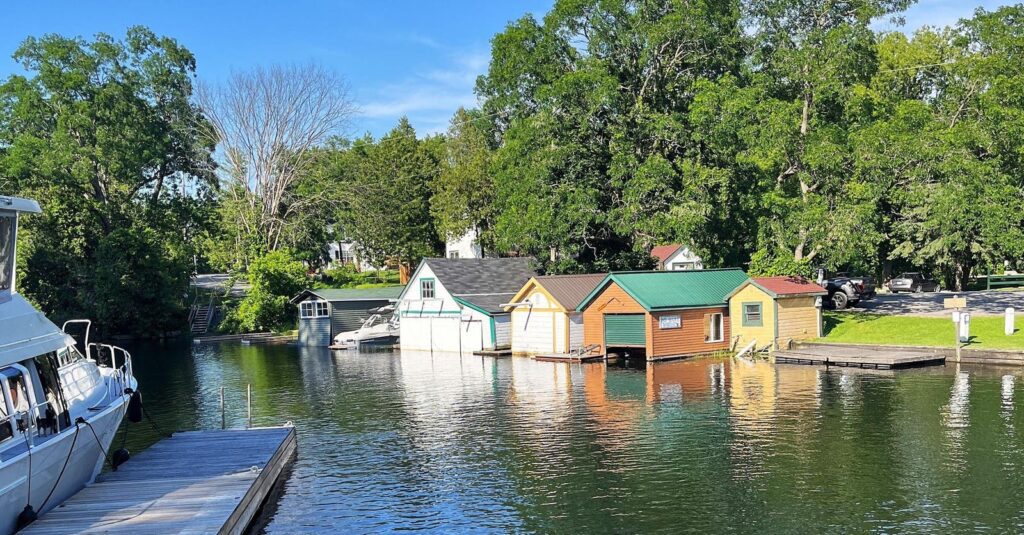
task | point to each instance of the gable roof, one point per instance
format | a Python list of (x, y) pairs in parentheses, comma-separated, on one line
[(669, 290), (784, 286), (664, 252), (568, 290), (385, 293), (482, 283)]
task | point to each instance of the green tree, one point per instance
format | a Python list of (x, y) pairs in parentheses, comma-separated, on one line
[(104, 135), (274, 278), (388, 205), (463, 193)]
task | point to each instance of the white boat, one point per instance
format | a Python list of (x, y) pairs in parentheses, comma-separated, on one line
[(59, 407), (380, 328)]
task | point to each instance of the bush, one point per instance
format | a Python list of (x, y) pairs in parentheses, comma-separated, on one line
[(346, 276), (275, 279)]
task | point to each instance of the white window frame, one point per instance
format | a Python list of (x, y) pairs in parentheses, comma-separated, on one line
[(717, 319), (684, 266), (314, 308), (453, 254)]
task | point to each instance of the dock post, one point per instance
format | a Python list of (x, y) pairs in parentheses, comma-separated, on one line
[(222, 407), (248, 401)]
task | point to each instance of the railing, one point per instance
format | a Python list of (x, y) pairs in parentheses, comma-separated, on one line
[(995, 281), (123, 374), (31, 428)]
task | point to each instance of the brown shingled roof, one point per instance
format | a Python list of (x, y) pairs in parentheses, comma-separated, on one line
[(789, 286), (569, 290), (664, 252)]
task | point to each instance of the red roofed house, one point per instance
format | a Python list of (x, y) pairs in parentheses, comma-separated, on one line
[(676, 257), (772, 312)]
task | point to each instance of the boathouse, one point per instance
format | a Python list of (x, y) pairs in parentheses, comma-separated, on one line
[(660, 314), (458, 304), (323, 313), (544, 317), (771, 312)]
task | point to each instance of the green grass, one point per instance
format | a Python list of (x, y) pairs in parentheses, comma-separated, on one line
[(863, 328)]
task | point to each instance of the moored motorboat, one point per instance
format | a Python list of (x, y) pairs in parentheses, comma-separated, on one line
[(378, 329), (61, 399)]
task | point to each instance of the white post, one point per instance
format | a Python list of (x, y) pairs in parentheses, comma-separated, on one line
[(1008, 322)]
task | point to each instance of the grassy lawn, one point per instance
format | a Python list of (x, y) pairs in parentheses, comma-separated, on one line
[(863, 328)]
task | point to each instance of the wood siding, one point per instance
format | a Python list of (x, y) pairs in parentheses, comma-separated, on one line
[(765, 333), (611, 300), (689, 338), (798, 319)]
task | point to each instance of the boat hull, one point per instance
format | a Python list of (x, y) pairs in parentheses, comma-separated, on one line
[(48, 459)]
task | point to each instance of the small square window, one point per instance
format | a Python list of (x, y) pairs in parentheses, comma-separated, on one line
[(322, 310), (426, 288), (752, 315)]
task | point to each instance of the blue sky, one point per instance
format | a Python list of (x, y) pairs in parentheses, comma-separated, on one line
[(414, 58)]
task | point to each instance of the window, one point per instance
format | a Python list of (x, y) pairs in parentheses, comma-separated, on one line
[(684, 266), (453, 254), (6, 252), (348, 256), (752, 315), (426, 288), (714, 328), (669, 322), (313, 309)]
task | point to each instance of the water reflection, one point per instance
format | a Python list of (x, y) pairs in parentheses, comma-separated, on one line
[(439, 442)]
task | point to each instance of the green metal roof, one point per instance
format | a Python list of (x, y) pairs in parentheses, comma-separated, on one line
[(352, 294), (666, 290)]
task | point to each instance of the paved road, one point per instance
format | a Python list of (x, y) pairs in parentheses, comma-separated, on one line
[(218, 282), (930, 304)]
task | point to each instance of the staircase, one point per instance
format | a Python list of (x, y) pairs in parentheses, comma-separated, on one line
[(201, 316)]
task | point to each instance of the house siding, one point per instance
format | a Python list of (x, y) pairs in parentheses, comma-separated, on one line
[(765, 333), (575, 331), (798, 319), (611, 300), (315, 331), (689, 338)]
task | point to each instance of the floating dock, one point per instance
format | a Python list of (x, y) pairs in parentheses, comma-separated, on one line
[(503, 352), (872, 357), (192, 482), (567, 357)]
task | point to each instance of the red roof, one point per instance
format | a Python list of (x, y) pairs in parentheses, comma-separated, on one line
[(789, 285), (664, 252)]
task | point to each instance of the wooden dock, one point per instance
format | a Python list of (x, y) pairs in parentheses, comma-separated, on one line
[(567, 357), (859, 357), (192, 482), (502, 352)]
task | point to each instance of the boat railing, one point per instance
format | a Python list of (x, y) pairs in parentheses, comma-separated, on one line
[(31, 426), (123, 373)]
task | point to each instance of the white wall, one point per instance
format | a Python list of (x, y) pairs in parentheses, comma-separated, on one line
[(464, 247), (348, 247), (440, 323), (684, 256), (575, 331)]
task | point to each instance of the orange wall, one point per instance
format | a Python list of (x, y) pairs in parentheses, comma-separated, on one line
[(612, 300), (689, 339)]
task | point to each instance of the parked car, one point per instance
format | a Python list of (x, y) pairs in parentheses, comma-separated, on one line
[(845, 291), (913, 282)]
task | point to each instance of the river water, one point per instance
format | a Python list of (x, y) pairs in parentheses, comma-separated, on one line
[(415, 442)]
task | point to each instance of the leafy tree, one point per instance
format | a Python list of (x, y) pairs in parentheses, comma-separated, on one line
[(275, 278), (104, 134), (388, 211), (463, 193)]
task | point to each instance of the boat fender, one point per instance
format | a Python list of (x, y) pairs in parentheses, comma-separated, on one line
[(119, 457), (135, 407), (26, 517)]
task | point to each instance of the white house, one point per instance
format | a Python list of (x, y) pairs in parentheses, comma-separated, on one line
[(456, 304), (468, 246), (676, 257), (544, 316), (344, 252)]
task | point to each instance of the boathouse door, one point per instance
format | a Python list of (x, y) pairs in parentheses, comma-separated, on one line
[(624, 330)]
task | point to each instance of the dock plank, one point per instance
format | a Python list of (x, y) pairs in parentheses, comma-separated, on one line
[(192, 482), (855, 357)]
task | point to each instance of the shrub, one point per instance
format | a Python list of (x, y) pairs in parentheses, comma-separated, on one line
[(765, 264)]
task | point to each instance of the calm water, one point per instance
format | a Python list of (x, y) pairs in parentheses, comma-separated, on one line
[(414, 442)]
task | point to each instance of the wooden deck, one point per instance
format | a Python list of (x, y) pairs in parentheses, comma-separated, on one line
[(859, 357), (193, 482)]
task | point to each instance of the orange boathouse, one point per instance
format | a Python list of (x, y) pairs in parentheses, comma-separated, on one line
[(661, 314)]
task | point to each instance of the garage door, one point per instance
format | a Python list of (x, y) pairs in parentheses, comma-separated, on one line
[(624, 330)]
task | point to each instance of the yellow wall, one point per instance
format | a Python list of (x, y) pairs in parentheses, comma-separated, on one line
[(798, 319), (764, 334)]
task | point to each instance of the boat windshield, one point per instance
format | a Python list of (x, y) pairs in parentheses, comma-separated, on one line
[(372, 320), (7, 224)]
